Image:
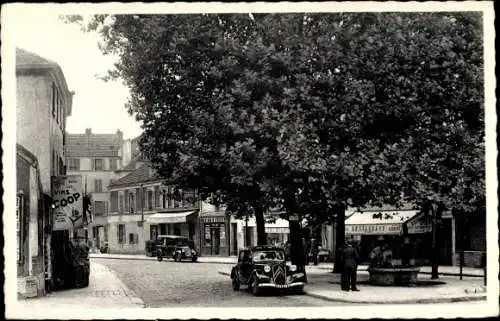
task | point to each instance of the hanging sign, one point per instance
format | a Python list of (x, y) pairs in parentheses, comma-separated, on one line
[(67, 202), (419, 226)]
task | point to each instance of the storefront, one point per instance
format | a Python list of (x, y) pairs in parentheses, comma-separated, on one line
[(371, 227), (214, 232), (168, 223), (278, 233)]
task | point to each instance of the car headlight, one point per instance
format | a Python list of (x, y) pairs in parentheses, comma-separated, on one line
[(193, 251), (293, 268), (267, 269)]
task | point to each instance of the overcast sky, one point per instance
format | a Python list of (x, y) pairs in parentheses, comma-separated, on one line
[(96, 104)]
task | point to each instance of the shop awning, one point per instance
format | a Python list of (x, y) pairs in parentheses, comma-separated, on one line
[(160, 218), (378, 222)]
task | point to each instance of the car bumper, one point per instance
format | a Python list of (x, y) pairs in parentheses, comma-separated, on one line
[(281, 286)]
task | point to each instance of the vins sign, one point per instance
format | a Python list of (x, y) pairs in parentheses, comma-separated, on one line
[(67, 202)]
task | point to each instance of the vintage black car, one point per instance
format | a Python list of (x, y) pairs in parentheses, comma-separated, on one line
[(177, 247), (261, 267)]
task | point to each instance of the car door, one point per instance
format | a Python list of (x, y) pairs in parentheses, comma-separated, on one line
[(246, 266)]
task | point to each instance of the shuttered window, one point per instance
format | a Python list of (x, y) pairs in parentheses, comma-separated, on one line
[(114, 201), (98, 185), (121, 233)]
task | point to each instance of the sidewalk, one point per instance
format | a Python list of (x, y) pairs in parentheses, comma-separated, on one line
[(446, 289), (105, 290)]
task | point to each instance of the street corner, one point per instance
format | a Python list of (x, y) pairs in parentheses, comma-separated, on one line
[(473, 290)]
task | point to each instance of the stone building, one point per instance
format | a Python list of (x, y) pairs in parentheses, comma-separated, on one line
[(143, 207), (97, 157), (43, 103)]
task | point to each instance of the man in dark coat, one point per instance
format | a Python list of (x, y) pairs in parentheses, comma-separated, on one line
[(350, 260)]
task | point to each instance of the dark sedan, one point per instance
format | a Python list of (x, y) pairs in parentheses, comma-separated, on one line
[(261, 267)]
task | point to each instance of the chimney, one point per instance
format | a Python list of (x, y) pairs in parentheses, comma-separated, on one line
[(120, 135), (88, 131)]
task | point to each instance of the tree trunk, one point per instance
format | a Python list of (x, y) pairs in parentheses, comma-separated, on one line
[(296, 246), (340, 238), (260, 223), (435, 240)]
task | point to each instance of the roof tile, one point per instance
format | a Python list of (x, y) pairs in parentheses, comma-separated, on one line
[(92, 145)]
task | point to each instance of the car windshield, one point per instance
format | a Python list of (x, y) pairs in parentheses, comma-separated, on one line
[(268, 256)]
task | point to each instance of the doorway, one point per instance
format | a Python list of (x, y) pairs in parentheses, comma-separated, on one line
[(234, 240), (215, 237), (153, 232)]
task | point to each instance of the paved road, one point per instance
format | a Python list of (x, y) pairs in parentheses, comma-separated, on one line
[(171, 284)]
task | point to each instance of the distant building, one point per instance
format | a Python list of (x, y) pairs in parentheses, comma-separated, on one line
[(143, 207), (97, 158), (43, 103)]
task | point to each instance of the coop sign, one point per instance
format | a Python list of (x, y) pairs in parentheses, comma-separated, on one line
[(67, 202), (373, 229)]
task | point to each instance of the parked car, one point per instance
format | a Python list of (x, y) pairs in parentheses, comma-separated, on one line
[(262, 267), (176, 247), (324, 255), (150, 247)]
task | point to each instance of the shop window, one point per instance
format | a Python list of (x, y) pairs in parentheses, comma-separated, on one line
[(121, 233)]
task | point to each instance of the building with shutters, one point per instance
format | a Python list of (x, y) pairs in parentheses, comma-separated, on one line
[(143, 207), (43, 103), (99, 159)]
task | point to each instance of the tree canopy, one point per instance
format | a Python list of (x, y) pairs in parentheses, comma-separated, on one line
[(309, 112)]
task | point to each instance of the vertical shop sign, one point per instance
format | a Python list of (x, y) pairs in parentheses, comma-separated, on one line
[(67, 196), (19, 226)]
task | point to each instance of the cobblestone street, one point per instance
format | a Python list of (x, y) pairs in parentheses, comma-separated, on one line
[(171, 284)]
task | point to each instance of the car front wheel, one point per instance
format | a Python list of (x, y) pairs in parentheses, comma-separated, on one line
[(194, 259), (236, 283), (255, 287)]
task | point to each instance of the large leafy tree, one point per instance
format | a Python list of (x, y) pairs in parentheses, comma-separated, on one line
[(311, 112), (409, 122)]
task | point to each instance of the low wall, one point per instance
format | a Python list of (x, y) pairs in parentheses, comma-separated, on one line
[(31, 286), (394, 276)]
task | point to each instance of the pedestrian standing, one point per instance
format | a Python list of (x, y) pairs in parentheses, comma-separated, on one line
[(315, 251), (350, 260)]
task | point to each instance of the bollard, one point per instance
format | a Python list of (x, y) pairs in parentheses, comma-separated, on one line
[(461, 264), (484, 267)]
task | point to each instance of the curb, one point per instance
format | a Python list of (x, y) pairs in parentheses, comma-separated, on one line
[(151, 259), (408, 301), (426, 273)]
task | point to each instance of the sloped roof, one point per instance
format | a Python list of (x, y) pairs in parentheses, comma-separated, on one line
[(28, 59), (92, 145), (28, 62), (144, 173), (405, 206)]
